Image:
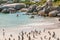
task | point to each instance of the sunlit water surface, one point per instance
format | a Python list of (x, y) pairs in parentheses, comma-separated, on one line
[(11, 20)]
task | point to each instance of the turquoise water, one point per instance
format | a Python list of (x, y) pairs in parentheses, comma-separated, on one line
[(11, 20)]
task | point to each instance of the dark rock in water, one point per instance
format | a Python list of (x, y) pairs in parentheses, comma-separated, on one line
[(16, 6), (32, 17)]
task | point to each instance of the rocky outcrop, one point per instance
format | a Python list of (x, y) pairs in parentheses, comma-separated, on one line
[(32, 8), (0, 8), (41, 13), (53, 13), (20, 6), (9, 10), (6, 8), (5, 11), (58, 8), (34, 13), (24, 10)]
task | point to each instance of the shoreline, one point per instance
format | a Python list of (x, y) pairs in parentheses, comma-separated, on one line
[(17, 31)]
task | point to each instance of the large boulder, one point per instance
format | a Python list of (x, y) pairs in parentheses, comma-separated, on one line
[(24, 10), (53, 13), (17, 6), (0, 8), (20, 6), (58, 8), (32, 8), (39, 8), (41, 13), (34, 13), (5, 11), (9, 10)]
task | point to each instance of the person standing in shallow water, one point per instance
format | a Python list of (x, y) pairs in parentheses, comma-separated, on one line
[(17, 15)]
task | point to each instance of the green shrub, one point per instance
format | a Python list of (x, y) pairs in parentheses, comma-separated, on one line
[(29, 3), (55, 0)]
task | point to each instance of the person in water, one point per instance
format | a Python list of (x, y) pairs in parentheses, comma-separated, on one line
[(17, 15)]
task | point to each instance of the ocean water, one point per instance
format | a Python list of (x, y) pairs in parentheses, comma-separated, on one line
[(11, 20)]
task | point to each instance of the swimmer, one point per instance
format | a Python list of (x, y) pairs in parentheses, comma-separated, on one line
[(17, 15)]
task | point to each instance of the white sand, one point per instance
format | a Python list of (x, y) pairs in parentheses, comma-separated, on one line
[(49, 26), (15, 33)]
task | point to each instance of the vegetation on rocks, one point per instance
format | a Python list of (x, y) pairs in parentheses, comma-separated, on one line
[(56, 2)]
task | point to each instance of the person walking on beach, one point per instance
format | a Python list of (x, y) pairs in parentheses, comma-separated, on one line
[(13, 38), (49, 38), (41, 38), (11, 35), (58, 39), (17, 15), (29, 38), (39, 32), (45, 37), (9, 38), (18, 37), (44, 30), (53, 34), (49, 32), (33, 36), (22, 35), (3, 32)]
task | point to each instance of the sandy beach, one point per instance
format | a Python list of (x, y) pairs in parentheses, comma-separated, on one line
[(35, 31), (29, 20)]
